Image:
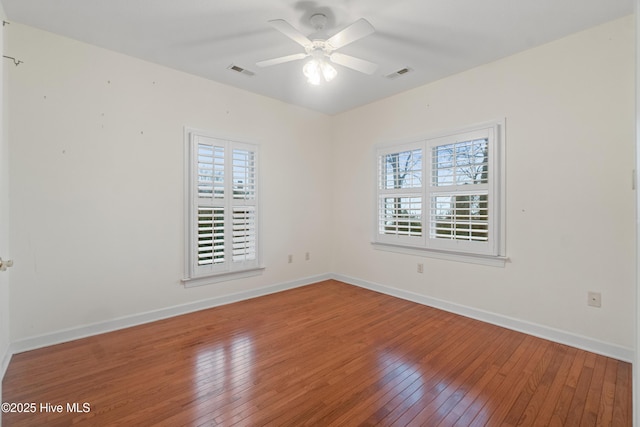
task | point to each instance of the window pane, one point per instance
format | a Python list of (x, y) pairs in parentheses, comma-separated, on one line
[(400, 216), (210, 236), (461, 163), (460, 217), (210, 171), (244, 233), (401, 170), (244, 179)]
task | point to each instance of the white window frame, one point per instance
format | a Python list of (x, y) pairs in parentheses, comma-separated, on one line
[(232, 267), (489, 252)]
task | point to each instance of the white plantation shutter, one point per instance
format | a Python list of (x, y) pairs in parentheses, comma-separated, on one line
[(210, 236), (400, 216), (210, 173), (244, 179), (441, 193), (400, 195), (461, 213), (223, 235), (244, 234), (244, 206), (462, 216)]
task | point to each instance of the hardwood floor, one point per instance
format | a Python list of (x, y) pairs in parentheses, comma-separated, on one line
[(327, 354)]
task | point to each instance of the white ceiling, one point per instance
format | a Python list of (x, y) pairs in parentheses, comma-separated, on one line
[(434, 38)]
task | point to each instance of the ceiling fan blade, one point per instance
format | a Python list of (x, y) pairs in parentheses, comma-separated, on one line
[(354, 63), (359, 29), (281, 60), (289, 30)]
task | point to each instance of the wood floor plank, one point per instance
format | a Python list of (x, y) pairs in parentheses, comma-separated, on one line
[(605, 410), (450, 392), (512, 386), (622, 401), (547, 407), (518, 410), (448, 350), (592, 402), (482, 406), (324, 354), (530, 415), (577, 408), (563, 404)]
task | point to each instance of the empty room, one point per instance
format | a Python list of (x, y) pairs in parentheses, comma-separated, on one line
[(333, 213)]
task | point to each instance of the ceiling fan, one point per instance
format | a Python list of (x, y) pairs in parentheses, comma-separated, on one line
[(322, 48)]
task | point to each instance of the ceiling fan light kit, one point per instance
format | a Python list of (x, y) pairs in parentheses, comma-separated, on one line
[(322, 49), (316, 70)]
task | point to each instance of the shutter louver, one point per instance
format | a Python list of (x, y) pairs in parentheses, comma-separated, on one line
[(210, 236), (244, 233), (401, 216), (210, 171), (460, 216), (244, 184)]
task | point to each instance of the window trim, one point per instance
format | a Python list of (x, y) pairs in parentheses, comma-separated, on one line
[(229, 271), (495, 256)]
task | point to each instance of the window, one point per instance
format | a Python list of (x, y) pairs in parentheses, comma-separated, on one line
[(443, 194), (222, 207)]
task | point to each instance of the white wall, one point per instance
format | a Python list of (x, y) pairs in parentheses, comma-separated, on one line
[(569, 109), (4, 223), (97, 183), (636, 360)]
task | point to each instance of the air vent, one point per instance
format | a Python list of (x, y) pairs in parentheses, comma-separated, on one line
[(399, 73), (241, 70)]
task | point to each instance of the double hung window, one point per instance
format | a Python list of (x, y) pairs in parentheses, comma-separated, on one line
[(442, 193), (222, 235)]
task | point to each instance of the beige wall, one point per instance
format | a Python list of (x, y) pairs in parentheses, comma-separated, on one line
[(569, 109)]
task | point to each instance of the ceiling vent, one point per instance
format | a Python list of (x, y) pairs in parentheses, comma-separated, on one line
[(399, 73), (241, 70)]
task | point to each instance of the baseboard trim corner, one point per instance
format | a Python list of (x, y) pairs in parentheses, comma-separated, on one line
[(6, 358), (537, 330)]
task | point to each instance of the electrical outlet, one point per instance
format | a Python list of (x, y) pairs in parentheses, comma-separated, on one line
[(594, 299), (307, 256), (290, 259), (420, 267)]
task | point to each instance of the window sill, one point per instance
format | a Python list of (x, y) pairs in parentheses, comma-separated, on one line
[(489, 260), (221, 277)]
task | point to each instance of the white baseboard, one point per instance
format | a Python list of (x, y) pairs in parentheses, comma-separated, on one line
[(540, 331), (84, 331), (6, 358)]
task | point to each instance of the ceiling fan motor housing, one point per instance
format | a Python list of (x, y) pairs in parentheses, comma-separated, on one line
[(318, 21)]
